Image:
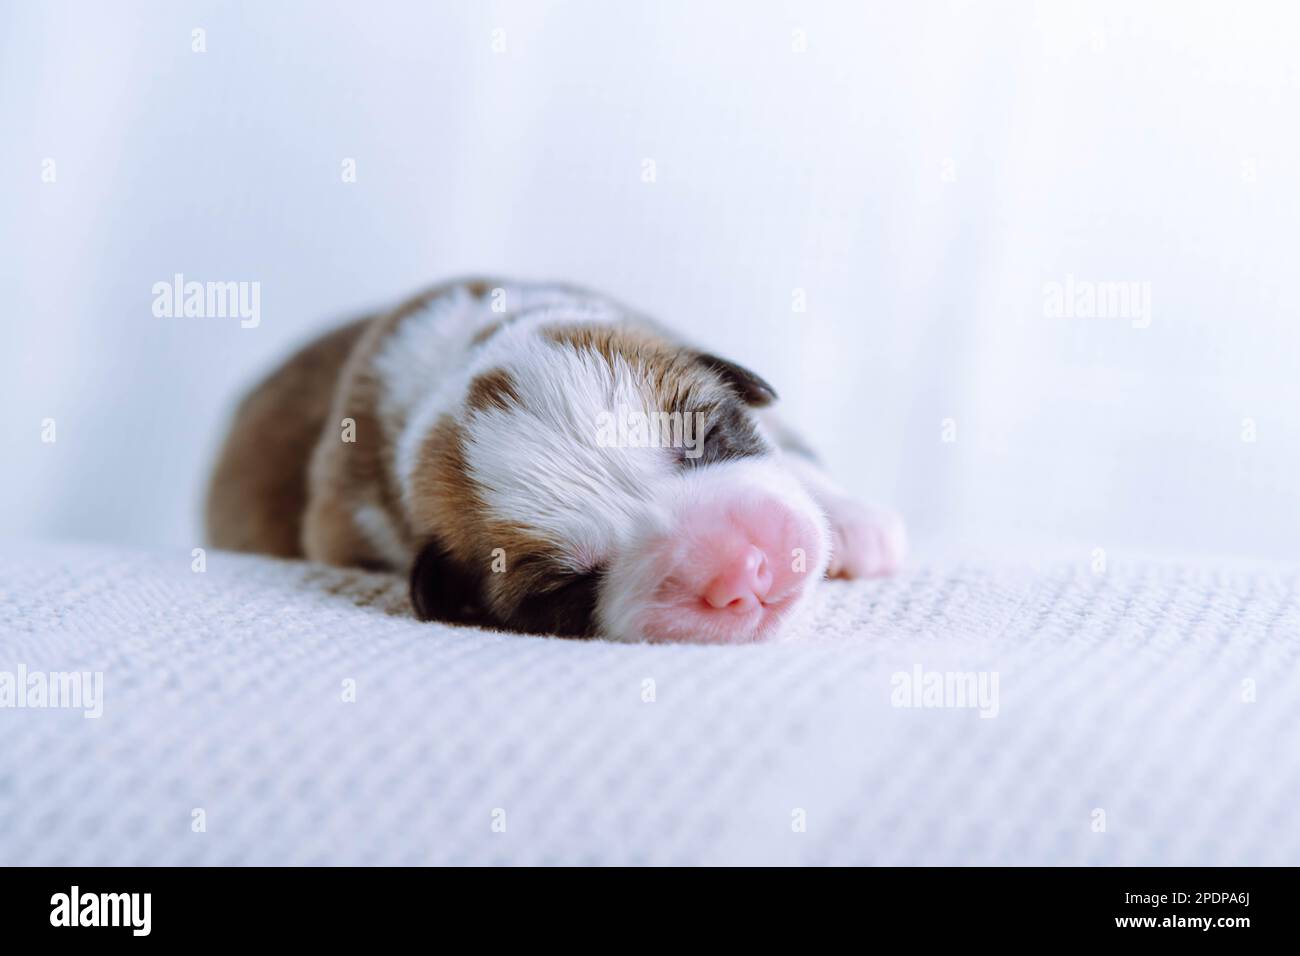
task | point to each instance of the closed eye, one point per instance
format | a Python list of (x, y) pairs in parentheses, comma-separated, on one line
[(565, 607), (729, 433)]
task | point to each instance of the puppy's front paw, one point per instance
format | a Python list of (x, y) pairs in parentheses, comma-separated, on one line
[(865, 542)]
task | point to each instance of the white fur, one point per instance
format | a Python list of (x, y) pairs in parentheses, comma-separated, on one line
[(426, 347), (430, 359), (541, 465)]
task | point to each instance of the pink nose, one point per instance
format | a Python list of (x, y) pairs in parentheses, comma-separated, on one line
[(742, 583)]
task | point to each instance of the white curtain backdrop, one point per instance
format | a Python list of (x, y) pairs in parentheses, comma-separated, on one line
[(914, 174)]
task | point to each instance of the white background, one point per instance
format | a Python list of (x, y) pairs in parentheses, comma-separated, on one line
[(920, 171)]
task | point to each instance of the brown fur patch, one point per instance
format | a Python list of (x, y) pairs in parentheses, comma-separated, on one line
[(345, 475), (258, 492), (674, 374), (680, 380), (493, 389), (446, 498)]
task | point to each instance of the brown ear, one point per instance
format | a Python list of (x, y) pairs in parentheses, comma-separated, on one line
[(751, 388), (441, 590)]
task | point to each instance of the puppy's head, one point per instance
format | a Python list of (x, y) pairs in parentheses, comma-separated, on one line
[(597, 479)]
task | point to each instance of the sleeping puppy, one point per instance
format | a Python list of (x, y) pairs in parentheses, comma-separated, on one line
[(541, 459)]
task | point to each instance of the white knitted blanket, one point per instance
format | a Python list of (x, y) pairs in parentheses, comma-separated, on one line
[(275, 712)]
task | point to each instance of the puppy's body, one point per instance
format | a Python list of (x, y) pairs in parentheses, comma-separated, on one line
[(459, 437)]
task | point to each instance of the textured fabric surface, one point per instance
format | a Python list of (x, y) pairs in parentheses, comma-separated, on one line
[(1166, 698)]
